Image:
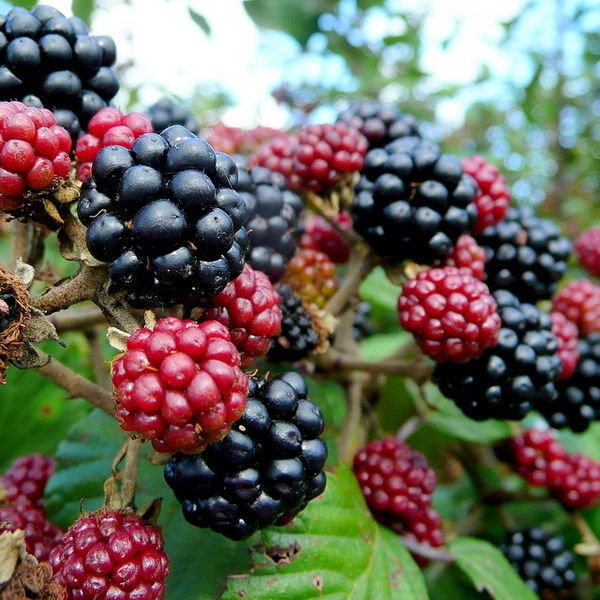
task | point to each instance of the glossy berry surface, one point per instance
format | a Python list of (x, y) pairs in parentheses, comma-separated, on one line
[(52, 61), (318, 234), (379, 123), (110, 554), (108, 127), (524, 254), (34, 152), (467, 254), (273, 214), (166, 218), (493, 196), (180, 384), (513, 377), (268, 466), (249, 308), (312, 275), (27, 476), (587, 246), (450, 313), (412, 201), (579, 301), (543, 561), (298, 336), (166, 112), (566, 333)]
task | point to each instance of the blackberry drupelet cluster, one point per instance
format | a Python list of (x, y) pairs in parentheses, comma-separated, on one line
[(579, 301), (542, 560), (577, 405), (525, 254), (299, 336), (51, 61), (273, 212), (166, 112), (27, 477), (467, 254), (379, 123), (412, 201), (267, 468), (566, 333), (318, 234), (166, 218), (587, 246), (515, 376)]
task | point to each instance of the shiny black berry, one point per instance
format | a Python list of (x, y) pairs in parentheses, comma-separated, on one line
[(166, 112)]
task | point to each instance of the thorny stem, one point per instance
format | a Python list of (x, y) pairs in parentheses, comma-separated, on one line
[(129, 474), (116, 313), (77, 385)]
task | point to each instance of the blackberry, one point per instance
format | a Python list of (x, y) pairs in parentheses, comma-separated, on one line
[(268, 466), (513, 377), (52, 61), (587, 246), (165, 217), (525, 254), (579, 301), (299, 336), (577, 405), (566, 333), (166, 112), (467, 254), (318, 234), (542, 560), (27, 477), (379, 123), (273, 212), (362, 325), (412, 201)]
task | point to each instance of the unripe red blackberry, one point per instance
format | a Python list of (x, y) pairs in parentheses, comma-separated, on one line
[(566, 333), (493, 196), (312, 275), (524, 254), (165, 112), (110, 554), (587, 246), (27, 477), (379, 123), (277, 155), (542, 560), (577, 405), (467, 254), (41, 536), (49, 60), (249, 308), (34, 152), (579, 301), (299, 335), (516, 375), (269, 466), (318, 234), (108, 127), (579, 486), (451, 314), (180, 384), (412, 201)]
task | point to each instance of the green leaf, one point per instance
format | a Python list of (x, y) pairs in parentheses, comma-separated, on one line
[(333, 549), (379, 346), (380, 291), (83, 9), (489, 570), (200, 559), (200, 20)]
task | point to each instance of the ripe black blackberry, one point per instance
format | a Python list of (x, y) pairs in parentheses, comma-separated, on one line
[(515, 376), (269, 466), (362, 325), (542, 560), (166, 218), (525, 254), (166, 112), (412, 201), (577, 405), (50, 60), (8, 305), (273, 212), (379, 123), (299, 336)]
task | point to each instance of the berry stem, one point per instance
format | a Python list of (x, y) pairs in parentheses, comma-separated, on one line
[(22, 234), (77, 385), (74, 233), (129, 474), (353, 434), (410, 426), (319, 206), (426, 551), (116, 313), (80, 317)]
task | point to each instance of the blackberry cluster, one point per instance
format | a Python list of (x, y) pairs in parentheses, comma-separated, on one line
[(379, 123), (566, 333), (513, 377), (577, 405), (587, 246), (318, 234), (412, 201), (542, 560), (525, 254), (51, 61), (579, 301), (273, 212), (166, 217), (267, 468), (27, 477), (299, 336), (166, 112)]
